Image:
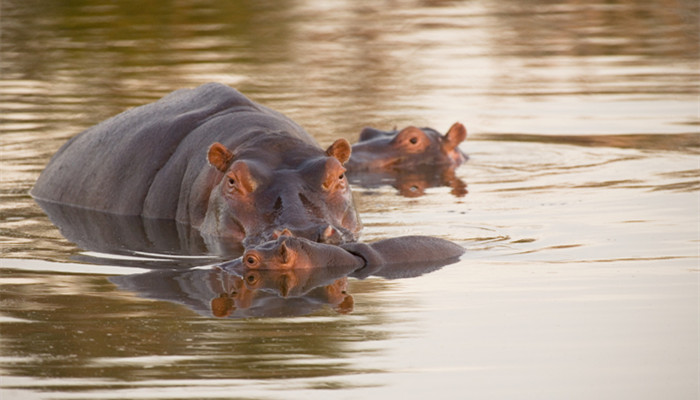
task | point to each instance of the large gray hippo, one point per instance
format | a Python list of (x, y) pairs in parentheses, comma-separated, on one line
[(213, 159)]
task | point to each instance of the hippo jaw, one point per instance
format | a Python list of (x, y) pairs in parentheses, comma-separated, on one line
[(319, 233)]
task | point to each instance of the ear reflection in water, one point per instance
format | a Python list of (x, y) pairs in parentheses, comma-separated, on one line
[(412, 183), (230, 290), (174, 253), (225, 293)]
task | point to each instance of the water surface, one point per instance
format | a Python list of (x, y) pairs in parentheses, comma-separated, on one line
[(578, 208)]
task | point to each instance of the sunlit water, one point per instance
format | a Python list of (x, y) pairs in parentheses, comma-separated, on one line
[(581, 217)]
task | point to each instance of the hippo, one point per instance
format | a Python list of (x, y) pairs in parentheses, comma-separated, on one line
[(212, 159), (290, 275), (412, 182), (224, 293), (294, 253), (408, 148)]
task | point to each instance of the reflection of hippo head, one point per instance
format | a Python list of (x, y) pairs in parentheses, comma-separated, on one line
[(406, 148), (287, 253), (260, 195)]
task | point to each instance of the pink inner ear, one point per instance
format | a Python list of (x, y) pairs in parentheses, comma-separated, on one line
[(340, 149), (455, 135), (219, 156), (284, 252)]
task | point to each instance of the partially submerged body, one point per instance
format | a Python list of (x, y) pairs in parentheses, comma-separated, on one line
[(288, 252), (235, 170), (212, 159), (407, 149)]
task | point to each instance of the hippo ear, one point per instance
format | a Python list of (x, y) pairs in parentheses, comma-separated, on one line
[(340, 149), (285, 254), (346, 306), (222, 306), (219, 156), (454, 136)]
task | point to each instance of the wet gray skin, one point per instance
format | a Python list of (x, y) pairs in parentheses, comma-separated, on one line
[(212, 159), (287, 252), (407, 149)]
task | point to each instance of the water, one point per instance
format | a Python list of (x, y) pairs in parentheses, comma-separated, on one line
[(579, 206)]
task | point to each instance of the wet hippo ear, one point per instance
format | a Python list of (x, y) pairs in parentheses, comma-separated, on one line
[(285, 253), (340, 149), (219, 156), (454, 136)]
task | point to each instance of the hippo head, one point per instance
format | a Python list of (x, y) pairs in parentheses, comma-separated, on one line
[(294, 266), (283, 253), (406, 148), (288, 252), (261, 195)]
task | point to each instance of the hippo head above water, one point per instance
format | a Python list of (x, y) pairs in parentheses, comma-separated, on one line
[(294, 253), (263, 192), (408, 147), (211, 159)]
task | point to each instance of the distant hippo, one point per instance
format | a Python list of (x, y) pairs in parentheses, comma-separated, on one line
[(288, 252), (407, 148), (213, 159)]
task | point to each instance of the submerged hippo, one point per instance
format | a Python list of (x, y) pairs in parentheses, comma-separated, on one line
[(213, 159), (290, 276), (407, 148), (287, 252)]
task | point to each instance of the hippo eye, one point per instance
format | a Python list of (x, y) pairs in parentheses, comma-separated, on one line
[(231, 181), (251, 260), (413, 140), (341, 177)]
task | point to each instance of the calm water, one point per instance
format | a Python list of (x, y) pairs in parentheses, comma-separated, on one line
[(579, 207)]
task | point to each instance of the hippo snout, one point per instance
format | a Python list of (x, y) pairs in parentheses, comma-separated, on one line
[(322, 233)]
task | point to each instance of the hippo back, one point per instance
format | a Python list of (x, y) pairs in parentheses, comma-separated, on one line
[(138, 162)]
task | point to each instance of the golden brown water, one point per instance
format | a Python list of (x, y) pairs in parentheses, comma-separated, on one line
[(581, 221)]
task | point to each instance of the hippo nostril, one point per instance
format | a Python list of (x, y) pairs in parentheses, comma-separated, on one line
[(276, 234), (286, 232)]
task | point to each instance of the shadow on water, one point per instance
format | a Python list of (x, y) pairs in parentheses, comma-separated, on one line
[(133, 235)]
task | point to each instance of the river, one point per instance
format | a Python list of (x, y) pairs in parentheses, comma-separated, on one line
[(579, 207)]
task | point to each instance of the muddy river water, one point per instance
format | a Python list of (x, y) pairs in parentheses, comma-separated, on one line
[(579, 208)]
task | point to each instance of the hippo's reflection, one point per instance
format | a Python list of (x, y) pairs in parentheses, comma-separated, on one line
[(127, 235), (414, 182), (287, 276), (290, 276), (224, 293)]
